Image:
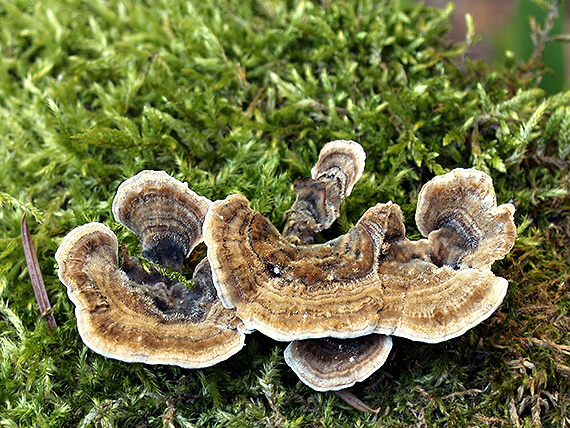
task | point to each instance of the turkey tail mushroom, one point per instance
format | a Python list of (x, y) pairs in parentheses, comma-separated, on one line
[(164, 213), (370, 280), (319, 198), (458, 213), (330, 364), (140, 316)]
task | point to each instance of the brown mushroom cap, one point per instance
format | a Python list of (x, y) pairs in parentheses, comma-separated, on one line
[(329, 364), (311, 359), (458, 213), (342, 161), (319, 198), (370, 280), (136, 316), (164, 213), (293, 292)]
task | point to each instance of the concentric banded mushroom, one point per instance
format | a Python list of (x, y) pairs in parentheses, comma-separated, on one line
[(319, 198), (369, 280), (330, 364), (164, 214), (331, 299), (136, 316), (458, 213), (285, 291)]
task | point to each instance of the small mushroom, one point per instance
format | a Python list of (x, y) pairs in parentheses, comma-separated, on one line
[(164, 214), (329, 364), (458, 213), (319, 198), (137, 316), (371, 280)]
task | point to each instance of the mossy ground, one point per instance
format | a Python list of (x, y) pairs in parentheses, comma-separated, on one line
[(239, 97)]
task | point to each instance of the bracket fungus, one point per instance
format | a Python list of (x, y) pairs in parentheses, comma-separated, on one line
[(458, 213), (370, 280), (319, 198), (164, 214), (136, 315), (329, 364), (337, 302)]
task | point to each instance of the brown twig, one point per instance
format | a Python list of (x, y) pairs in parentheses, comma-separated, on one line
[(355, 402), (36, 275), (540, 36)]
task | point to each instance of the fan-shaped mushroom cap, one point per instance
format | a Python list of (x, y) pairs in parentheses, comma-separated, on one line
[(136, 316), (342, 161), (458, 213), (319, 198), (370, 280), (164, 213), (329, 364), (294, 292)]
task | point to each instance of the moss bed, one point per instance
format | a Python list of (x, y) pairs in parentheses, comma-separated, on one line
[(238, 97)]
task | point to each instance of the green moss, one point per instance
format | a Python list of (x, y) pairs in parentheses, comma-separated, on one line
[(239, 97)]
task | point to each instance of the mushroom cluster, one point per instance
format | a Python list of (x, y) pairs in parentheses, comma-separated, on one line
[(337, 302)]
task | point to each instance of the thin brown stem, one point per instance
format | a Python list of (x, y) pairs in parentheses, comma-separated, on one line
[(36, 275), (541, 36)]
